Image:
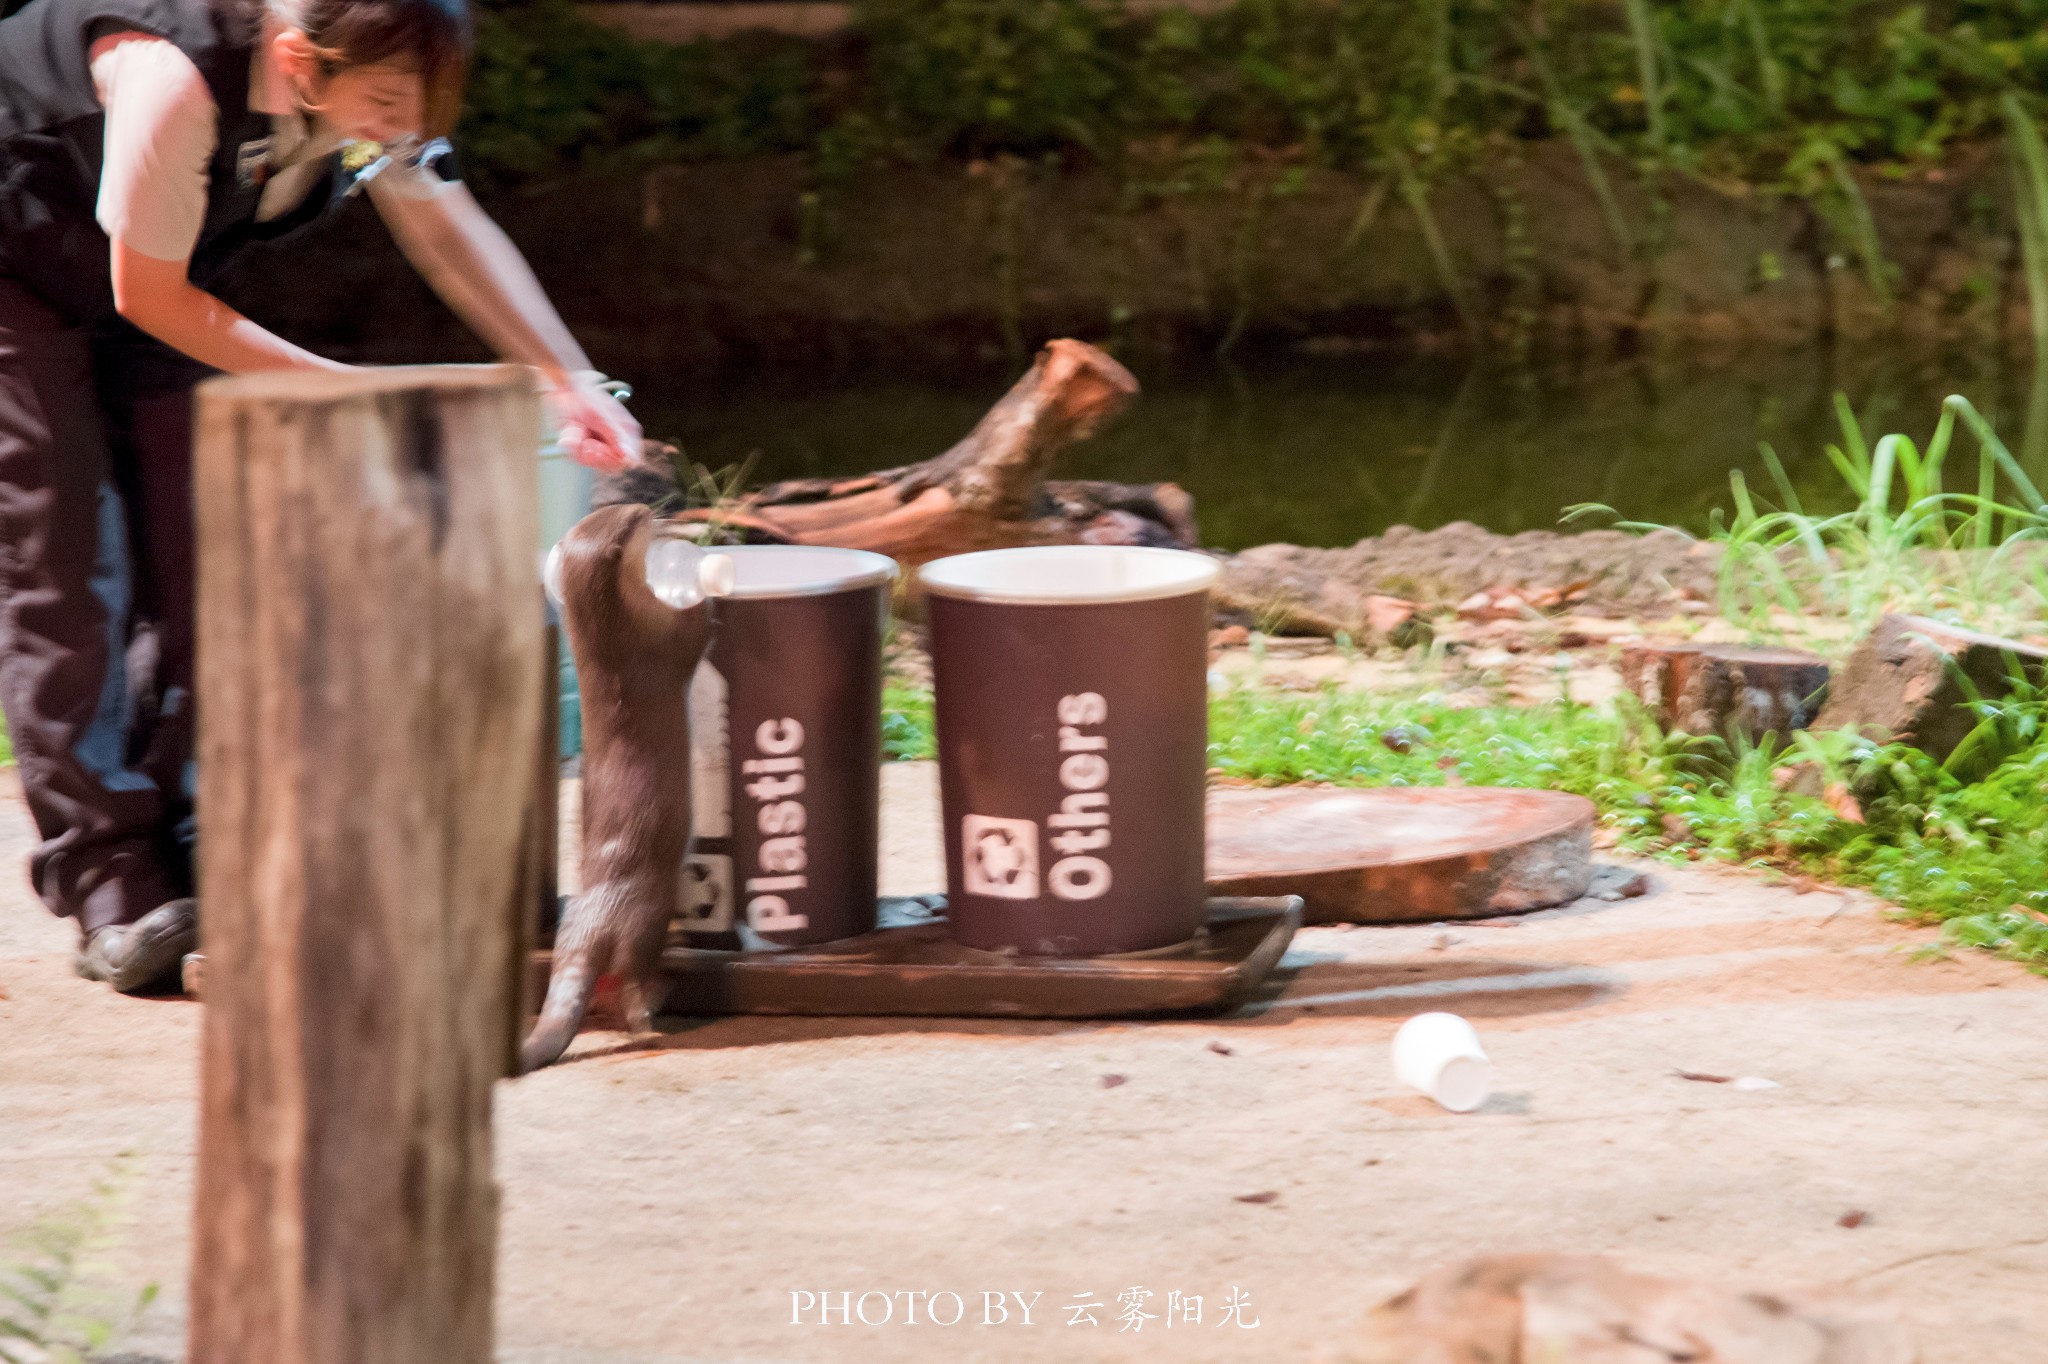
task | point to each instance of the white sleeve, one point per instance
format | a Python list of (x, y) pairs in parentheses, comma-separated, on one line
[(162, 125)]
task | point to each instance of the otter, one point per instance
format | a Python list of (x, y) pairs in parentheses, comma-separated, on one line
[(635, 657)]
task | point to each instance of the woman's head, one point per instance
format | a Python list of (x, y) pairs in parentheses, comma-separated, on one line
[(379, 70)]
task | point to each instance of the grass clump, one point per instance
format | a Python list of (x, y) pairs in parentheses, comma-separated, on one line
[(1912, 541), (908, 732), (1922, 532)]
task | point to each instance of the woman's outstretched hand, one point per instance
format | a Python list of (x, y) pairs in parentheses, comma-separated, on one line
[(595, 427)]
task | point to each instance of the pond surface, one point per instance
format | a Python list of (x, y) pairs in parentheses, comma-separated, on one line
[(1327, 451)]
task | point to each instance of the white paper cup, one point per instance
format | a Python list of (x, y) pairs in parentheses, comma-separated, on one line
[(1440, 1055)]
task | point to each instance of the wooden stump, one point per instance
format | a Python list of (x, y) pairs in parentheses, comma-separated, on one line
[(369, 685), (1402, 854), (1905, 682), (1726, 690)]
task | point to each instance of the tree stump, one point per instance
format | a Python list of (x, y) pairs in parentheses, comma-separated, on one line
[(987, 492), (369, 684), (1904, 682), (1725, 690), (1402, 853)]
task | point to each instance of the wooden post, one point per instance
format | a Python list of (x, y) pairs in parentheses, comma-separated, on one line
[(369, 677)]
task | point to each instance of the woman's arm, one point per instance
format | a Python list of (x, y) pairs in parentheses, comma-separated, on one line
[(155, 295), (470, 262)]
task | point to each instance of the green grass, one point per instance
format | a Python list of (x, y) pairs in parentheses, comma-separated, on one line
[(1923, 533), (1972, 855), (907, 732)]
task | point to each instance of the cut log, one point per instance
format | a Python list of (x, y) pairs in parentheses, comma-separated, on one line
[(1905, 682), (988, 492), (1726, 690), (370, 690), (1402, 854)]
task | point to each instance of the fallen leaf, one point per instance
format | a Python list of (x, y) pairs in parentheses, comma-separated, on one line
[(1220, 1049), (1852, 1219), (1112, 1081), (1266, 1197), (1703, 1077)]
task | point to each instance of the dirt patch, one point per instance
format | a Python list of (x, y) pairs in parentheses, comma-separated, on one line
[(1292, 589), (663, 1204)]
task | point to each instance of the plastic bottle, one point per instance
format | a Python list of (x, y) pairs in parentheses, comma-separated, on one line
[(679, 572)]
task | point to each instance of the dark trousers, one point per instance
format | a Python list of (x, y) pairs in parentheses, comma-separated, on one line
[(96, 605)]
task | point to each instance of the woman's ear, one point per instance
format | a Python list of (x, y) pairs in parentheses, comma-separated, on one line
[(293, 53)]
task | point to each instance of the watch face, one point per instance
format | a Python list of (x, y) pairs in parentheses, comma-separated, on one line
[(252, 163)]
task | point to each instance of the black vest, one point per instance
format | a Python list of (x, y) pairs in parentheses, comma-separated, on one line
[(53, 136)]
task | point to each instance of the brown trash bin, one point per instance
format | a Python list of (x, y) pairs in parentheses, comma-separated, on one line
[(786, 751), (1071, 686)]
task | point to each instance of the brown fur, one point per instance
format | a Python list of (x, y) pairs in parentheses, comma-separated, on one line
[(634, 660)]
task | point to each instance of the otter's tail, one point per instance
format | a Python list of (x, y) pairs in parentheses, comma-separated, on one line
[(570, 987)]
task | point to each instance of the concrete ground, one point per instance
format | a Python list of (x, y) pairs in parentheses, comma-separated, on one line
[(664, 1204)]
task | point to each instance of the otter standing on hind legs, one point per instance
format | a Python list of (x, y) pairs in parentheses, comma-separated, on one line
[(635, 656)]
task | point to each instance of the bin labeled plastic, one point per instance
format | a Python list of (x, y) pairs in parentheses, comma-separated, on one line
[(786, 749), (1071, 693)]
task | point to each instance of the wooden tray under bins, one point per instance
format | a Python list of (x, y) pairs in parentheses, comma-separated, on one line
[(910, 967)]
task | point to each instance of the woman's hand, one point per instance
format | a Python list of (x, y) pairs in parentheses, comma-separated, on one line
[(595, 427)]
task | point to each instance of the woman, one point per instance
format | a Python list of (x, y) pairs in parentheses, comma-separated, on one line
[(143, 144)]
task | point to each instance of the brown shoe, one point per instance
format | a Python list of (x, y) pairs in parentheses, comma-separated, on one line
[(133, 957)]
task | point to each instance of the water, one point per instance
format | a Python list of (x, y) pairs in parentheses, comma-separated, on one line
[(1327, 451)]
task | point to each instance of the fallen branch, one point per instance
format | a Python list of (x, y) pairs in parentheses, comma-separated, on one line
[(989, 491)]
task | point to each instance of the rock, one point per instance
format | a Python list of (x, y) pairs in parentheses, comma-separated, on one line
[(1901, 683), (1404, 738), (1281, 593), (1720, 689), (1397, 621), (1586, 1310), (1485, 608), (1614, 884)]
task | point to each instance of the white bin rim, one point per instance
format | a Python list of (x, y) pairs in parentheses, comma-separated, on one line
[(761, 571), (1070, 575)]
